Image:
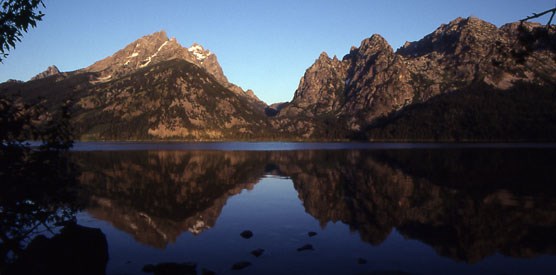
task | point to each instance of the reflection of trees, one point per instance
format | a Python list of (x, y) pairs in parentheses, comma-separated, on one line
[(37, 193), (36, 197)]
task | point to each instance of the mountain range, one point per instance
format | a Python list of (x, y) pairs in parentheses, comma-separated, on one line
[(466, 81)]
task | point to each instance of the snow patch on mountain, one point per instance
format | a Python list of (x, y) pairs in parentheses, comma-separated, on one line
[(149, 59), (199, 52)]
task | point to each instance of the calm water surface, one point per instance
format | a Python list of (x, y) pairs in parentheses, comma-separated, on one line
[(375, 208)]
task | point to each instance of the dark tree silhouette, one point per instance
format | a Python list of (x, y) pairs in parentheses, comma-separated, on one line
[(37, 185), (20, 122), (16, 16)]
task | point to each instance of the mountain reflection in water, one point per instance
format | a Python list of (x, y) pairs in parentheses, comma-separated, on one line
[(157, 195), (465, 204)]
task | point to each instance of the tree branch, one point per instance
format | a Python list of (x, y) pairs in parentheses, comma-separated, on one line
[(537, 15)]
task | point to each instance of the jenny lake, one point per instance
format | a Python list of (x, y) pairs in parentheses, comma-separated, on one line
[(303, 208)]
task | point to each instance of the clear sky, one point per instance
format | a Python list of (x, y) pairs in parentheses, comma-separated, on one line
[(263, 45)]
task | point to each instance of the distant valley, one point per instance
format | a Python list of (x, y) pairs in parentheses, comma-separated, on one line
[(466, 81)]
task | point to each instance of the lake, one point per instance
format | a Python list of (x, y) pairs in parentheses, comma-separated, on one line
[(320, 208)]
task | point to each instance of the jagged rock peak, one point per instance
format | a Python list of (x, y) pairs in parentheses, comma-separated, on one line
[(369, 46), (51, 70), (159, 35), (325, 57), (515, 27), (470, 21), (150, 50), (325, 62), (322, 60), (319, 88), (140, 53), (155, 39), (250, 93), (199, 52), (471, 25), (452, 37), (376, 40)]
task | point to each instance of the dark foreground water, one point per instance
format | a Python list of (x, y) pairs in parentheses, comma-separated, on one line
[(375, 209)]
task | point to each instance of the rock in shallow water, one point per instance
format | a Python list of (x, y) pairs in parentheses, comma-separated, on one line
[(361, 261), (306, 247), (247, 234), (240, 265), (257, 252)]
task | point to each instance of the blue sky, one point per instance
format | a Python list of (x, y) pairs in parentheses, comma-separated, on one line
[(265, 46)]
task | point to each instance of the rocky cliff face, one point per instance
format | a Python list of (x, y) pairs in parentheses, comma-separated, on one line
[(208, 61), (320, 90), (471, 50), (373, 80), (376, 81)]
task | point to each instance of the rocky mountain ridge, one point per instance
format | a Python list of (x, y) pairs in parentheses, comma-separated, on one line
[(154, 88), (152, 49), (373, 80)]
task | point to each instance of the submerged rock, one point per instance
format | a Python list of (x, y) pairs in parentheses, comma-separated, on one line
[(361, 261), (75, 250), (247, 234), (306, 247), (257, 252), (240, 265)]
